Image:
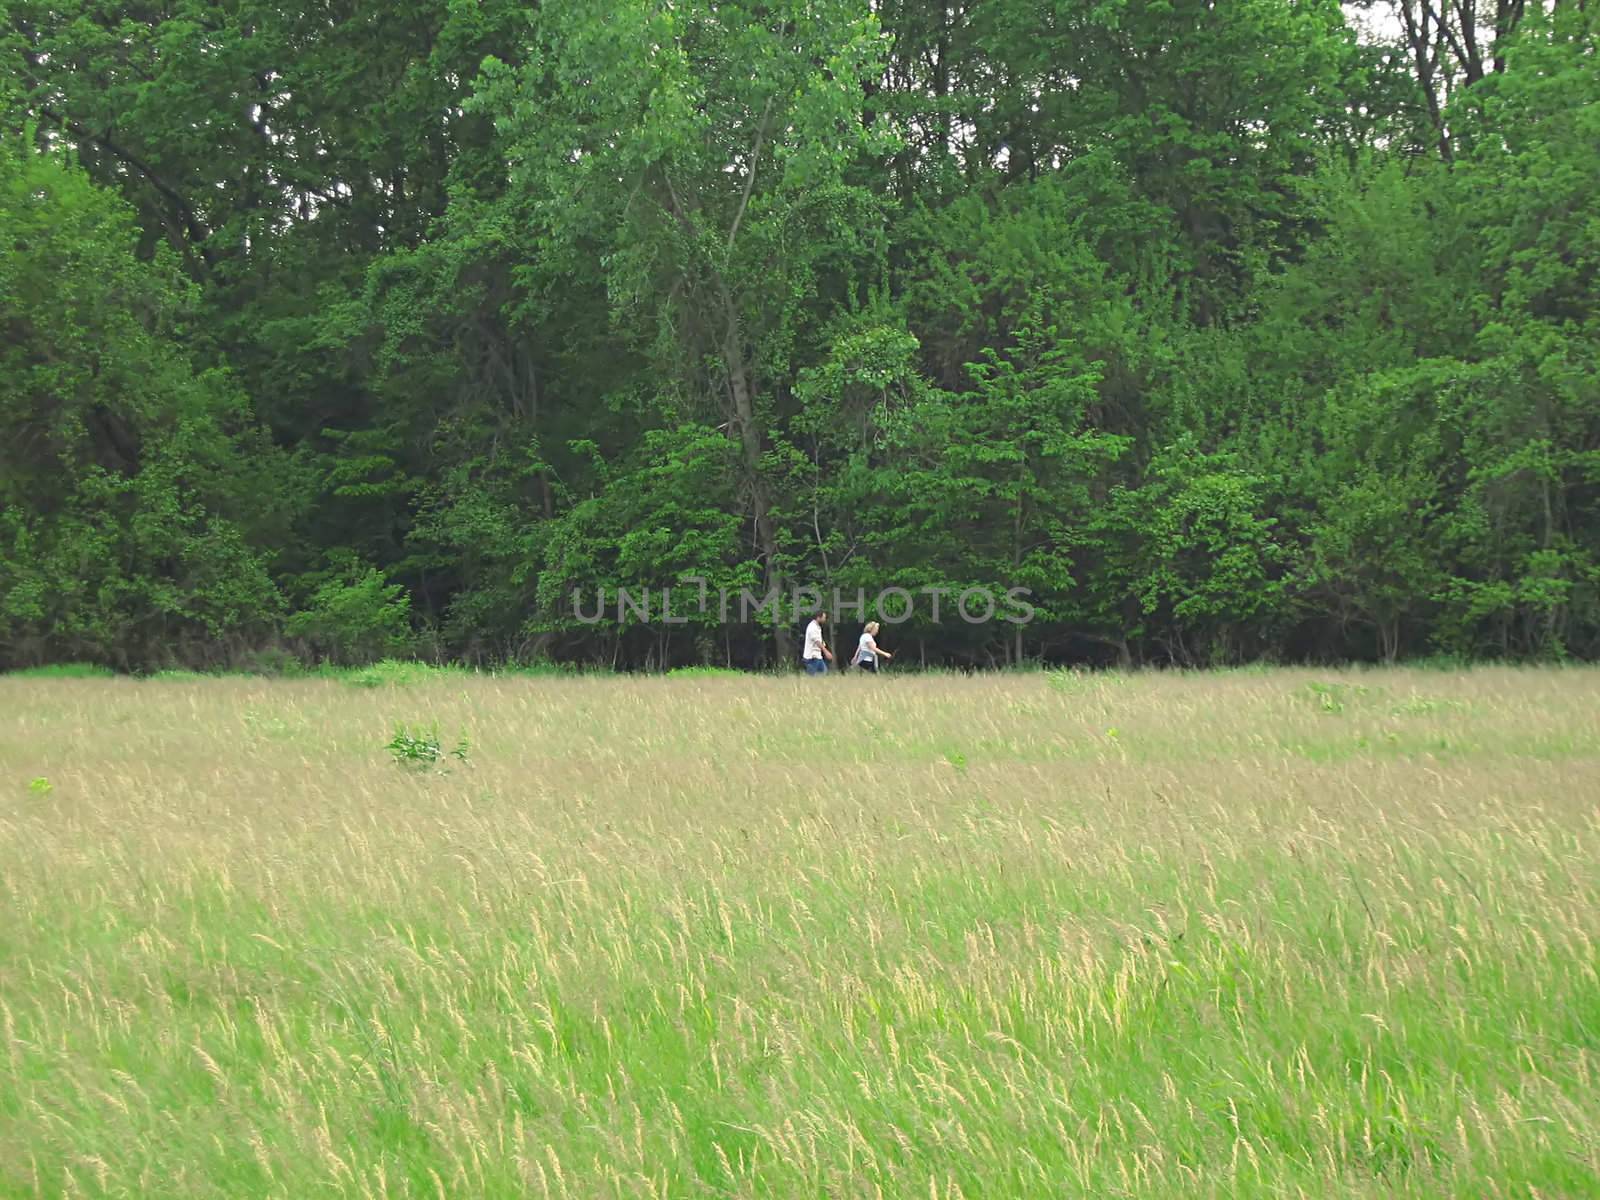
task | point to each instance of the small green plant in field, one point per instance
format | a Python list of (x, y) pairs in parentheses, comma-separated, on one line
[(704, 672), (422, 748), (40, 786), (267, 725), (1067, 682), (1336, 697)]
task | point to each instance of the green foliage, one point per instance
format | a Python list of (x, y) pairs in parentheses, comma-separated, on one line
[(393, 673), (270, 661), (131, 485), (663, 519), (1334, 698), (64, 671), (421, 749), (354, 617), (1228, 333)]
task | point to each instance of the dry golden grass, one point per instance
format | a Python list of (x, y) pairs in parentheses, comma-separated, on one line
[(1262, 933)]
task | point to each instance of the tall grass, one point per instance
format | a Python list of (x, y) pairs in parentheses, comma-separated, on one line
[(1288, 933)]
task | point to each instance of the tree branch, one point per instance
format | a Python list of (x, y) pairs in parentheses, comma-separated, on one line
[(193, 225), (750, 176), (1449, 35)]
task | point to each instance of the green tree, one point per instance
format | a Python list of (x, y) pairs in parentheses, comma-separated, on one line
[(137, 498), (702, 154)]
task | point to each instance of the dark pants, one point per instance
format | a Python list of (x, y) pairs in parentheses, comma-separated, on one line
[(869, 665), (816, 666)]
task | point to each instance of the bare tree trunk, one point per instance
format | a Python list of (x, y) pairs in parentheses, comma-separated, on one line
[(1389, 636), (1424, 38), (531, 387), (744, 419)]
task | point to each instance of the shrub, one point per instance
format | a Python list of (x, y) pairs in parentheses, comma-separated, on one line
[(355, 619), (422, 748), (271, 661)]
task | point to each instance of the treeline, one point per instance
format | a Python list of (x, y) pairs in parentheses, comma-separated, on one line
[(1264, 329)]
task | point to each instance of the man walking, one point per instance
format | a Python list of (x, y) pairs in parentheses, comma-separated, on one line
[(816, 656)]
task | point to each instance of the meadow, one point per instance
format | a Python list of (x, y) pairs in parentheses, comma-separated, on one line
[(1256, 933)]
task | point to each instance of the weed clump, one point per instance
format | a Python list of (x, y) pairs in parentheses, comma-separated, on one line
[(416, 750)]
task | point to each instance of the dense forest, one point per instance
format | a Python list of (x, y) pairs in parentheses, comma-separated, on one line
[(1230, 329)]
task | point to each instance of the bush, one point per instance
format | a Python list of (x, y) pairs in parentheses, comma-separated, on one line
[(271, 661), (355, 619), (422, 748)]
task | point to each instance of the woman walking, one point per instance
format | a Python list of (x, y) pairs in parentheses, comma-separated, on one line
[(868, 651)]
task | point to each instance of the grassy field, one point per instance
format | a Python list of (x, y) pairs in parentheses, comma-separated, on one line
[(1284, 933)]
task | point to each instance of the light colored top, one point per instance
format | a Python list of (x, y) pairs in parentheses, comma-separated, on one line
[(866, 650), (813, 641)]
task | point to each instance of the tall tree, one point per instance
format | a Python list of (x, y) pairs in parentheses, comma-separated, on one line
[(703, 155), (137, 504)]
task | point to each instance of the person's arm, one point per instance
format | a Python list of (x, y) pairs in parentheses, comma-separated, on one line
[(877, 649)]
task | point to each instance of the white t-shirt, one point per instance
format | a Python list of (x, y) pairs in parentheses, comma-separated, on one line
[(866, 649), (813, 641)]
